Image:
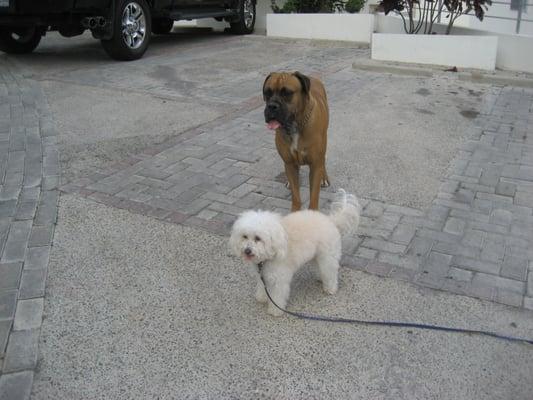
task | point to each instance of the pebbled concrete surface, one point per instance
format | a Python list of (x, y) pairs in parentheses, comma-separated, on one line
[(138, 308), (392, 139)]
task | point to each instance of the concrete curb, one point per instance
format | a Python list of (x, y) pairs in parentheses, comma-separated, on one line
[(477, 77), (372, 66), (500, 78)]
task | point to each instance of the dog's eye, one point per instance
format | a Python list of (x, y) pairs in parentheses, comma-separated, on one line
[(257, 239), (245, 237), (268, 93)]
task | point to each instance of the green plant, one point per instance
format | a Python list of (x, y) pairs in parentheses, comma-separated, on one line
[(353, 6), (308, 6), (290, 6), (422, 14)]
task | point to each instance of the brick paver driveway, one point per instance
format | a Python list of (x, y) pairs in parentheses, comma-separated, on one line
[(444, 168)]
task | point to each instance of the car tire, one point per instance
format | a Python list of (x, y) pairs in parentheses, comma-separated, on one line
[(19, 40), (247, 13), (162, 26), (132, 30)]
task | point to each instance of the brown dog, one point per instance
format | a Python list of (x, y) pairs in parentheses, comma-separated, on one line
[(297, 108)]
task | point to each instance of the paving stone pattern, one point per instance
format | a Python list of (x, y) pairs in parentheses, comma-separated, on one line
[(29, 175), (475, 239)]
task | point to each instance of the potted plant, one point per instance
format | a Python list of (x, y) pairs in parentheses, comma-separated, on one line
[(427, 41), (418, 14)]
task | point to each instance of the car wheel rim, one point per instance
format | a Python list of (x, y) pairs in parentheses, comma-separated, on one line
[(133, 25), (249, 13)]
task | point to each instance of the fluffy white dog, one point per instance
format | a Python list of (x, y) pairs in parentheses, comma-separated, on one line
[(282, 245)]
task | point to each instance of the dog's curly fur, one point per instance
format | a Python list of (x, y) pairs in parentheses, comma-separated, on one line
[(285, 244)]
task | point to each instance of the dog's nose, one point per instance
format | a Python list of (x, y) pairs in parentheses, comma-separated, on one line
[(273, 107), (247, 251)]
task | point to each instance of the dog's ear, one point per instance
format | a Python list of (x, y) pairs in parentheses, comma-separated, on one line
[(278, 239), (264, 83), (235, 237), (304, 81), (233, 244)]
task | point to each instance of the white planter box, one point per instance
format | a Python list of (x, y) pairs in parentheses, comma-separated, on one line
[(349, 27), (460, 51)]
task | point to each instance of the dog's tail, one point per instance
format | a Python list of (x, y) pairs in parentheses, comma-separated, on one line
[(345, 211)]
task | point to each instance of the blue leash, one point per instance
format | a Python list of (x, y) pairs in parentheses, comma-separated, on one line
[(392, 323)]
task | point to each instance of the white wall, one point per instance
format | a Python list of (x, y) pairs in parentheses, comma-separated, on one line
[(493, 20), (497, 24), (515, 52), (388, 24), (460, 51), (350, 27), (263, 8)]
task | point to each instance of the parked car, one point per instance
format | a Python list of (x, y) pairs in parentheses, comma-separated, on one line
[(123, 26)]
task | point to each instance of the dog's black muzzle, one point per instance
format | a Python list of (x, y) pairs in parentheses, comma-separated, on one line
[(277, 111), (274, 111)]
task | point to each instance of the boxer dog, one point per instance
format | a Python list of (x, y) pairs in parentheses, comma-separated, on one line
[(297, 109)]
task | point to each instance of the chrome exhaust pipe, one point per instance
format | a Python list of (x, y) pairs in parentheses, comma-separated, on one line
[(93, 22), (89, 22), (101, 22)]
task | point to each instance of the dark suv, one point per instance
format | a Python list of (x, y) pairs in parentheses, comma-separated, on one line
[(123, 26)]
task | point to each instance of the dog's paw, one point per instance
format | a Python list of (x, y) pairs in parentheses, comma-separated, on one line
[(274, 311), (324, 183), (287, 185), (261, 297), (330, 289), (260, 294)]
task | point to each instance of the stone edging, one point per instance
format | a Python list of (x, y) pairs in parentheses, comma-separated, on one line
[(28, 214)]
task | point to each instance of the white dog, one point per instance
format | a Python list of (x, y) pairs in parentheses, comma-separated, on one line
[(282, 245)]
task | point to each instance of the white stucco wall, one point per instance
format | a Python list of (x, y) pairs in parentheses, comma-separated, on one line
[(514, 52), (461, 51), (499, 24), (350, 27)]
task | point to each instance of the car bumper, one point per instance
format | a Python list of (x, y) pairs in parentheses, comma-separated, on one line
[(48, 7)]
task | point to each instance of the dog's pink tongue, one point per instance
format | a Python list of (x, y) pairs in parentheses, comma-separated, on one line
[(273, 125)]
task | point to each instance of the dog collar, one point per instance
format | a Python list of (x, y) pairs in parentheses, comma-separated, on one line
[(307, 116), (260, 267)]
